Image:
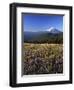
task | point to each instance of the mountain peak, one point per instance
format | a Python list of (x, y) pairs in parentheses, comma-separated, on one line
[(53, 30)]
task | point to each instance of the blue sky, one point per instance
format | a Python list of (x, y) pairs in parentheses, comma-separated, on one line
[(36, 22)]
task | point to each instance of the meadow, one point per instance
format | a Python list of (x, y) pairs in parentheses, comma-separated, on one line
[(42, 58)]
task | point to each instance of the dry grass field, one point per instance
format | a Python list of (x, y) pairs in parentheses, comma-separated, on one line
[(42, 58)]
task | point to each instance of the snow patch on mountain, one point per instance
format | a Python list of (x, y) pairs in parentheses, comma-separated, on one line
[(53, 30)]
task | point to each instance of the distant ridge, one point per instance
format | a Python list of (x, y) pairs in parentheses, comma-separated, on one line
[(51, 35)]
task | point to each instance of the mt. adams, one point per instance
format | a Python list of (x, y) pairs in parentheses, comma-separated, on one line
[(53, 30)]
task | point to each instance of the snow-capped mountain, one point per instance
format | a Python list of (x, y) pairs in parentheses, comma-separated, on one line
[(53, 30)]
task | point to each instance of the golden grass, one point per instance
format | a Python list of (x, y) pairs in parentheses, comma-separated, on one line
[(43, 50), (42, 58)]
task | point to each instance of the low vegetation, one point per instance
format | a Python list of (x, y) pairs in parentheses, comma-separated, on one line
[(42, 58)]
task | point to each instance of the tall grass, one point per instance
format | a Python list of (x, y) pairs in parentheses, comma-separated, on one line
[(42, 58)]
